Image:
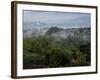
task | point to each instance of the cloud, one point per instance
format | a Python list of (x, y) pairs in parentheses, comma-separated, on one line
[(53, 17)]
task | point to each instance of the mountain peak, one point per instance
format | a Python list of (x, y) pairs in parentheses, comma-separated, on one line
[(53, 30)]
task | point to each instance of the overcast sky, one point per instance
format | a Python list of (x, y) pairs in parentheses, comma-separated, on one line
[(57, 18)]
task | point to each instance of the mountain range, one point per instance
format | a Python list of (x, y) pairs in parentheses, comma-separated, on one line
[(59, 33)]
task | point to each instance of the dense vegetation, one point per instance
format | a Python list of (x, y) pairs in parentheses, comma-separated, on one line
[(46, 52)]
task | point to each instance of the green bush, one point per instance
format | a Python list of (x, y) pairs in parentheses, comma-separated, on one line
[(46, 52)]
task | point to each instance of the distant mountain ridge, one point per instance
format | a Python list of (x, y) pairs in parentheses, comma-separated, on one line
[(60, 33)]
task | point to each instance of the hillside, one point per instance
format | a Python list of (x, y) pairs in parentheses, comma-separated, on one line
[(56, 47)]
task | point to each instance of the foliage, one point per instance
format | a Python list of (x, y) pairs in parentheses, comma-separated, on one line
[(42, 52)]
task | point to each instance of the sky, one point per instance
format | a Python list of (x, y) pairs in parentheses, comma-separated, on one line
[(57, 18)]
